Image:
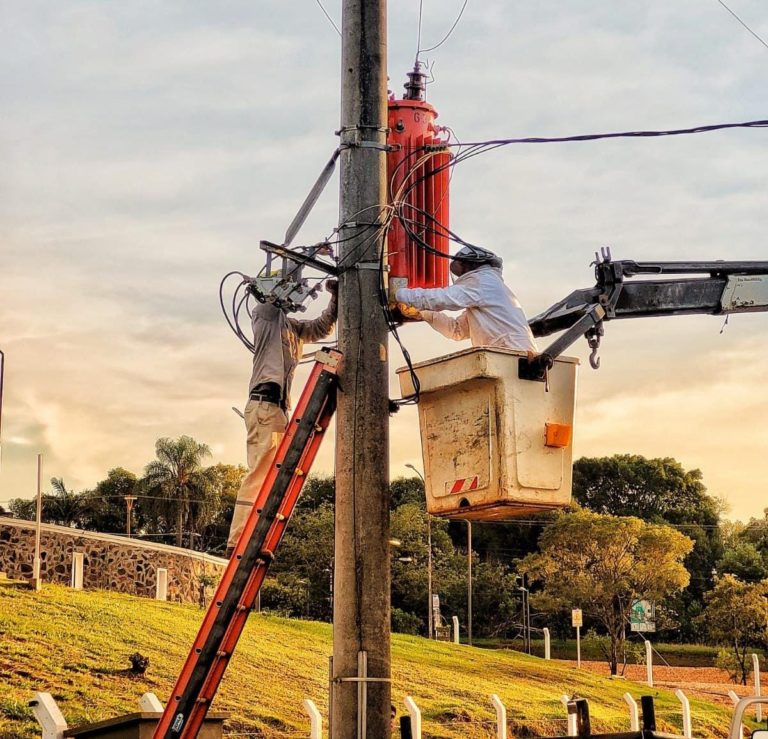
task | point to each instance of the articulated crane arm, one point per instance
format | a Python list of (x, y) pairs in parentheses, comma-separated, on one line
[(722, 288)]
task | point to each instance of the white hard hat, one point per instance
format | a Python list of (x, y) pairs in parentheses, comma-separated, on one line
[(478, 255)]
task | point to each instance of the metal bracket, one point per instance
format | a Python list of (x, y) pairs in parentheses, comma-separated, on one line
[(366, 145), (368, 265), (363, 126)]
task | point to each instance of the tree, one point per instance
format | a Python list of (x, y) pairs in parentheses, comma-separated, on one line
[(736, 616), (659, 491), (62, 506), (104, 509), (227, 479), (744, 561), (187, 495), (603, 564)]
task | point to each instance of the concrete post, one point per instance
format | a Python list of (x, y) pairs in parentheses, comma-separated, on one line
[(38, 524), (634, 716), (756, 671), (150, 703), (161, 586), (735, 700), (649, 663), (455, 620), (77, 570), (315, 719), (501, 717), (361, 607), (565, 700), (415, 714), (578, 647), (48, 716), (686, 704), (547, 644)]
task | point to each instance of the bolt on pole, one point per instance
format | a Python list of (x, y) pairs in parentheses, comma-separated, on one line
[(361, 608)]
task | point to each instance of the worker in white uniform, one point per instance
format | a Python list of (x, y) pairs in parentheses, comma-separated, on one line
[(491, 314), (277, 346)]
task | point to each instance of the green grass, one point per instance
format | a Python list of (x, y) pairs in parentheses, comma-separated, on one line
[(76, 644), (677, 655)]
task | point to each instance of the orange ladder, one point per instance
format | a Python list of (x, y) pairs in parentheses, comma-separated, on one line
[(236, 593)]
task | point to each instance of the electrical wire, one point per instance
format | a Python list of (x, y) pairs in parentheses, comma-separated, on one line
[(330, 20), (763, 123), (468, 150), (447, 35), (759, 38)]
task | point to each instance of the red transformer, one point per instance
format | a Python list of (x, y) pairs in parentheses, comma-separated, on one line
[(418, 182)]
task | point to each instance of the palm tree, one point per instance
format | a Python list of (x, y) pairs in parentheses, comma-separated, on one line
[(62, 506), (183, 487)]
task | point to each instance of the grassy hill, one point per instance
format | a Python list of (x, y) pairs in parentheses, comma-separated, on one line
[(76, 644)]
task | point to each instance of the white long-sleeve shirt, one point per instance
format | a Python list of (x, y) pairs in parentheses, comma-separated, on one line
[(492, 315)]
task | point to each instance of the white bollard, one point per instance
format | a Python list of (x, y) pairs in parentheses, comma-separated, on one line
[(565, 700), (455, 620), (315, 719), (649, 663), (735, 699), (686, 704), (756, 670), (634, 716), (415, 714), (150, 703), (78, 559), (501, 717), (547, 644), (48, 716), (161, 586)]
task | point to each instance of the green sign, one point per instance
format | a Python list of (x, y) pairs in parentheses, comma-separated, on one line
[(642, 617)]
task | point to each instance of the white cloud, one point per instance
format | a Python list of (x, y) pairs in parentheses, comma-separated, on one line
[(151, 145)]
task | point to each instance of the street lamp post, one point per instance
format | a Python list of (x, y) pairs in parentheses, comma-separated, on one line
[(430, 608), (469, 582)]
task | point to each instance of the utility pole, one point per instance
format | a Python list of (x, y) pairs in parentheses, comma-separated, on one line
[(129, 501), (361, 618), (469, 582)]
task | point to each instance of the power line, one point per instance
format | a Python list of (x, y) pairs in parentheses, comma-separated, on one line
[(447, 35), (763, 123), (325, 13), (743, 24)]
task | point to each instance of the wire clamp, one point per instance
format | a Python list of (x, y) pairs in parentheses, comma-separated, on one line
[(365, 145), (361, 127)]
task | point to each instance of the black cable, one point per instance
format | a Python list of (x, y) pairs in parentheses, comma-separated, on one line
[(613, 135), (447, 35)]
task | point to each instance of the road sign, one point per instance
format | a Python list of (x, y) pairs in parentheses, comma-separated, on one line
[(576, 617), (642, 617)]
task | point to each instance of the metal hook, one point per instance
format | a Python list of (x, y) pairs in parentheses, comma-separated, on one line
[(594, 360)]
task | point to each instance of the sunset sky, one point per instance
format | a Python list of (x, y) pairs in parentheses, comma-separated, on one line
[(148, 146)]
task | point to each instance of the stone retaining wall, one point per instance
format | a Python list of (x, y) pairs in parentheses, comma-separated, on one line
[(110, 562)]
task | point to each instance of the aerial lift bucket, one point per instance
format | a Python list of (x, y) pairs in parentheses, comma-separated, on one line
[(495, 446)]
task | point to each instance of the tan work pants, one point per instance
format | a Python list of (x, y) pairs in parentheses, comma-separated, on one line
[(265, 425)]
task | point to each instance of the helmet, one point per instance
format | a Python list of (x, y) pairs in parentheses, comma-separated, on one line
[(477, 256)]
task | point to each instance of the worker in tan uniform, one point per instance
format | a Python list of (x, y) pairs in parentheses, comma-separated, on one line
[(277, 346)]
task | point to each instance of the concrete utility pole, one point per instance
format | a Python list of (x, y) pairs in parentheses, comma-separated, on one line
[(361, 608)]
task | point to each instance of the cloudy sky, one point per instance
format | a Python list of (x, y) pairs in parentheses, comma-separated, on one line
[(148, 146)]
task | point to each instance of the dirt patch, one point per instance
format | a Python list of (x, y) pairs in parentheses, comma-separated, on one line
[(709, 683)]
